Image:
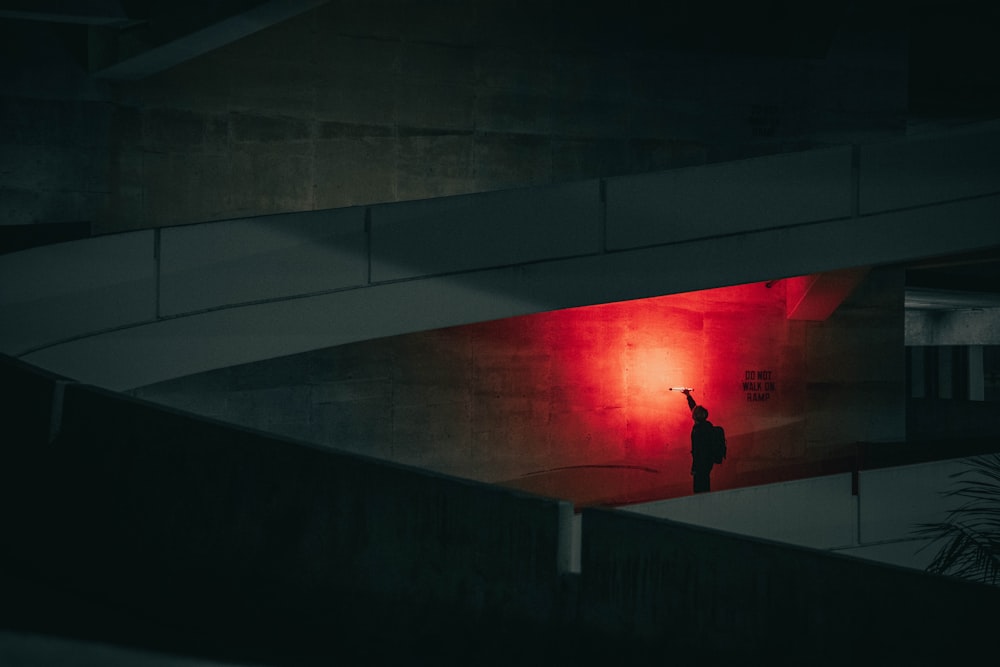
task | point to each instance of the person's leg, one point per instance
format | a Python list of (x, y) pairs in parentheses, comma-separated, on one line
[(701, 482)]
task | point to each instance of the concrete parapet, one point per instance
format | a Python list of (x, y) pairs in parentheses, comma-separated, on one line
[(144, 526), (678, 587), (209, 528), (931, 169), (126, 310)]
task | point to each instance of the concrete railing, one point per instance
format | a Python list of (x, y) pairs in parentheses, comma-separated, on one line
[(197, 524), (131, 309), (875, 518), (667, 585)]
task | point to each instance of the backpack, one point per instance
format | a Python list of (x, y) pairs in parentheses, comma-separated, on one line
[(718, 444)]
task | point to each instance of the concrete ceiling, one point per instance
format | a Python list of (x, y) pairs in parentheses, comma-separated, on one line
[(968, 281), (949, 43), (132, 39), (84, 12)]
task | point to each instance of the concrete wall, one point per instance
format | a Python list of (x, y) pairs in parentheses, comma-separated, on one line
[(57, 128), (856, 358), (669, 586), (514, 401), (218, 530), (359, 103), (140, 526)]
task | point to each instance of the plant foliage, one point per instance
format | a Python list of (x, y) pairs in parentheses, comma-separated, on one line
[(970, 535)]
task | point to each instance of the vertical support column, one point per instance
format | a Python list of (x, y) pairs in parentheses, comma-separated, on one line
[(159, 271), (368, 243), (944, 360), (55, 415), (918, 375), (977, 374), (568, 555)]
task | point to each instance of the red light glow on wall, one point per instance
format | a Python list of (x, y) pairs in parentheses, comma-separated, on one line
[(591, 385)]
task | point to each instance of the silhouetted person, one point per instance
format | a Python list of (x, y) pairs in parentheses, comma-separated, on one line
[(702, 445)]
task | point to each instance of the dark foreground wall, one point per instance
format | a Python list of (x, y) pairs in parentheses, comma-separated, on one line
[(670, 586), (137, 525), (202, 535)]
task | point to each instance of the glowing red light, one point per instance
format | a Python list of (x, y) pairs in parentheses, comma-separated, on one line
[(604, 374)]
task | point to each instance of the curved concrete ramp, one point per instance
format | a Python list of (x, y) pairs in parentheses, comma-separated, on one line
[(131, 309)]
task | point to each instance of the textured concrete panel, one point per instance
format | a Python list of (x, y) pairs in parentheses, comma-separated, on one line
[(975, 326), (217, 264), (168, 130), (728, 198), (248, 128), (433, 164), (508, 69), (440, 63), (178, 188), (924, 170), (494, 229), (512, 160), (593, 117), (31, 206), (577, 159), (354, 170), (354, 97), (513, 111), (56, 292), (267, 86), (434, 105), (47, 167)]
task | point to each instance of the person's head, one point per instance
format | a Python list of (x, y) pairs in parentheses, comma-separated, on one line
[(699, 413)]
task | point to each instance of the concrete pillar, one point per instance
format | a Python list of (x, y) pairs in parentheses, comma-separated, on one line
[(945, 389), (977, 375), (918, 376)]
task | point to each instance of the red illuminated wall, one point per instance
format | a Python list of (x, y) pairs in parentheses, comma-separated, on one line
[(575, 403), (586, 391)]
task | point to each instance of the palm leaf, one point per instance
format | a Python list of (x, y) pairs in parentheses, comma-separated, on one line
[(970, 534)]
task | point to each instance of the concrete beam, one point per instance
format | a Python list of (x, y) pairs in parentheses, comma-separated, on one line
[(167, 348), (816, 296), (200, 42), (84, 12), (74, 321), (972, 326)]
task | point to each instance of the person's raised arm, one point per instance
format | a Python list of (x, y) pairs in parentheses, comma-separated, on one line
[(691, 402)]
